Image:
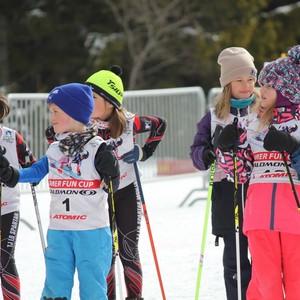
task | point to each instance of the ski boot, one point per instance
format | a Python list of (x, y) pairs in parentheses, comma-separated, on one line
[(129, 298)]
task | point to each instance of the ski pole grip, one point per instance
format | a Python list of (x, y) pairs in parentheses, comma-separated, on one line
[(235, 124)]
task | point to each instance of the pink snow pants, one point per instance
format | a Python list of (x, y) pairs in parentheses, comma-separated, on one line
[(275, 265)]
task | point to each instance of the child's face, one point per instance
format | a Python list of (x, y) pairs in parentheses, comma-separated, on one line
[(242, 87), (61, 122), (268, 98), (102, 109)]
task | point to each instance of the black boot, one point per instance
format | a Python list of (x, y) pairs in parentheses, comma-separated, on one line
[(129, 298)]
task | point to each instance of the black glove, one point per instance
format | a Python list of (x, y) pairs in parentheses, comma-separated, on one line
[(208, 156), (217, 132), (107, 166), (8, 174), (276, 140), (50, 134), (228, 137)]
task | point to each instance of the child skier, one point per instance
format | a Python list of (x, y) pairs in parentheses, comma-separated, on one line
[(238, 77), (119, 127), (78, 235), (16, 151), (271, 219)]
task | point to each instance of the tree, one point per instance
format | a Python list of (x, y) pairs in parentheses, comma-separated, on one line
[(3, 53), (47, 42), (159, 44), (149, 28)]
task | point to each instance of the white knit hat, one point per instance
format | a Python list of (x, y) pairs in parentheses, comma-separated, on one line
[(235, 62)]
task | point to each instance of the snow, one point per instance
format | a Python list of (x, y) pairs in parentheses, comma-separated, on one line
[(177, 234)]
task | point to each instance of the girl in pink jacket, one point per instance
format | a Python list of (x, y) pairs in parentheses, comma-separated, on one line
[(264, 154)]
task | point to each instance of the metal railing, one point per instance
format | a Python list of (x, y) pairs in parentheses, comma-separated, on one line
[(181, 107)]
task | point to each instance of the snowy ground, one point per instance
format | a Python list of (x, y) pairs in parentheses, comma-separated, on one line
[(177, 233)]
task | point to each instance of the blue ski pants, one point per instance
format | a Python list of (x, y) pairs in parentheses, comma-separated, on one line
[(88, 251)]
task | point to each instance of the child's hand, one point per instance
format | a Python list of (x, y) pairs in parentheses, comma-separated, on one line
[(134, 155), (229, 137), (208, 156), (276, 140), (107, 166), (8, 175)]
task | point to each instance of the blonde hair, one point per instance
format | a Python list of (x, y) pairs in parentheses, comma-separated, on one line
[(117, 123), (266, 117), (5, 109), (222, 102)]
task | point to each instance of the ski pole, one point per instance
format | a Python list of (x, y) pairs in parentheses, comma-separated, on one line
[(236, 219), (119, 276), (149, 229), (291, 180), (218, 130), (38, 217), (204, 232), (237, 229), (36, 207), (113, 219), (115, 235)]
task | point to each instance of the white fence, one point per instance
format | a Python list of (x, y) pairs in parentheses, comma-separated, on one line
[(181, 107)]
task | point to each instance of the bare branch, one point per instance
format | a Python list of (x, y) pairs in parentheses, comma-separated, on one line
[(149, 26)]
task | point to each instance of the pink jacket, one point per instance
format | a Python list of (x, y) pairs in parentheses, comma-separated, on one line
[(270, 204)]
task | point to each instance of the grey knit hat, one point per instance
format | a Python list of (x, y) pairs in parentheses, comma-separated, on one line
[(235, 62)]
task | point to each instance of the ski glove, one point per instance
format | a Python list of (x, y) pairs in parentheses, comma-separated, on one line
[(228, 137), (137, 154), (134, 155), (276, 140), (50, 134), (209, 152), (107, 166), (8, 174), (208, 156)]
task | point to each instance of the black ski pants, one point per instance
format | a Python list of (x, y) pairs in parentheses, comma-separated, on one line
[(230, 265), (128, 218), (10, 281)]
